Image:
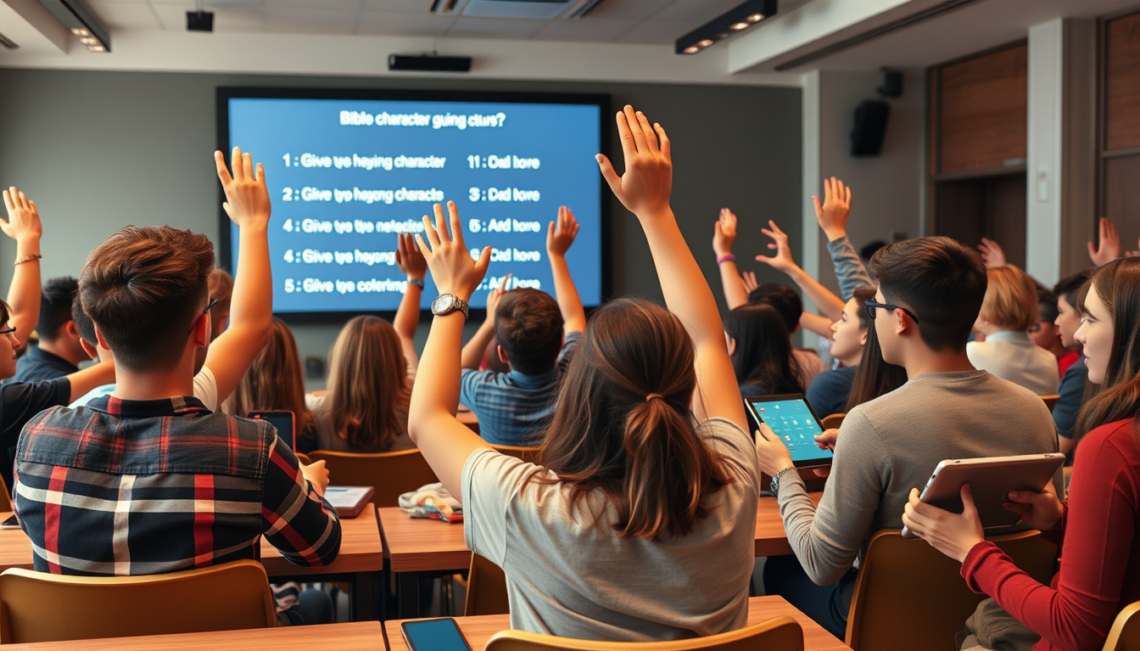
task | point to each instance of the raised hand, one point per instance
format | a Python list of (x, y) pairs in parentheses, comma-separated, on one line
[(247, 197), (23, 219), (992, 254), (836, 208), (409, 258), (495, 295), (952, 534), (452, 268), (750, 282), (1108, 248), (645, 187), (1042, 511), (560, 236), (724, 233), (783, 258)]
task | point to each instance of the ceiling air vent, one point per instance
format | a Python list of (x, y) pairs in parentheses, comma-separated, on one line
[(532, 9)]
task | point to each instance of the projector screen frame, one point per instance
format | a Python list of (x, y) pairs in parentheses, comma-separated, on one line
[(225, 93)]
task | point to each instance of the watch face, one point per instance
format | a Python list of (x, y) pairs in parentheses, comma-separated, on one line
[(443, 303)]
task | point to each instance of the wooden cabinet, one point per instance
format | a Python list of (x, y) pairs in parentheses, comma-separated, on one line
[(1118, 191)]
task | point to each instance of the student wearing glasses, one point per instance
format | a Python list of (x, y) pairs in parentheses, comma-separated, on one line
[(930, 290)]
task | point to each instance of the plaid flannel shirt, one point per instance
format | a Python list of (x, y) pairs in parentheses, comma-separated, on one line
[(123, 487)]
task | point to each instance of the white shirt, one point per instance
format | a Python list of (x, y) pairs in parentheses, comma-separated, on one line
[(205, 389), (1014, 357)]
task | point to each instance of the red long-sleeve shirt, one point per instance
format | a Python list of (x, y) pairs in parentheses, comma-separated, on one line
[(1100, 565)]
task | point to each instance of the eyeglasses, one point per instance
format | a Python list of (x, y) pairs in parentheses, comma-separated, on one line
[(871, 305), (209, 306), (8, 331)]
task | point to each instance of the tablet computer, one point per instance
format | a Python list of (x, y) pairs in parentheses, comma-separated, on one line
[(990, 479), (285, 422), (792, 419)]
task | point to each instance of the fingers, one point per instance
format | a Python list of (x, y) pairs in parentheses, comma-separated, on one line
[(247, 167), (967, 500), (818, 208), (609, 174), (456, 227), (441, 225), (650, 134), (260, 178), (828, 192), (483, 262), (550, 233), (1092, 250), (666, 146), (8, 203), (776, 229), (505, 284), (430, 235), (635, 129), (846, 195), (625, 134), (223, 173), (236, 165), (424, 250)]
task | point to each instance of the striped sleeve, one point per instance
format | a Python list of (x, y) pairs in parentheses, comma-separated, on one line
[(295, 519)]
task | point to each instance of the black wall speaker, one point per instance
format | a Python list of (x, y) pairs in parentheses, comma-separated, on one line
[(199, 21), (429, 63), (870, 128)]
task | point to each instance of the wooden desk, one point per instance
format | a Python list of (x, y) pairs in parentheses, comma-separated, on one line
[(414, 545), (480, 629), (353, 636), (361, 556), (771, 540)]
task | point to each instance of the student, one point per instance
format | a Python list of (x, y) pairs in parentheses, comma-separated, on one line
[(221, 291), (830, 391), (537, 337), (1008, 312), (222, 482), (58, 352), (1045, 333), (832, 215), (761, 353), (274, 382), (1100, 525), (930, 290), (372, 367), (874, 377), (23, 226), (1072, 388), (640, 526)]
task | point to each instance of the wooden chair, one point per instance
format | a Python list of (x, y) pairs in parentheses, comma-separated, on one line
[(6, 503), (910, 596), (390, 473), (778, 634), (833, 421), (1051, 401), (301, 456), (1125, 632), (527, 454), (486, 589), (40, 607)]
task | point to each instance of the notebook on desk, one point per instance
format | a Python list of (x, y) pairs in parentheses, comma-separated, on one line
[(349, 501)]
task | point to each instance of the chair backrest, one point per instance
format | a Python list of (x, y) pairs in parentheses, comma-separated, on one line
[(5, 497), (1125, 632), (894, 607), (833, 421), (528, 454), (303, 458), (778, 634), (390, 473), (1051, 400), (39, 607), (486, 589)]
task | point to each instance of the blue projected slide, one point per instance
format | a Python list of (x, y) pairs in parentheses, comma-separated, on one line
[(346, 176), (794, 423)]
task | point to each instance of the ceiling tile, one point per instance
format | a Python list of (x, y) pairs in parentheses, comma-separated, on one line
[(239, 20), (311, 21), (312, 5), (637, 9), (658, 31), (698, 11), (425, 24), (125, 15), (402, 6), (502, 27), (586, 29)]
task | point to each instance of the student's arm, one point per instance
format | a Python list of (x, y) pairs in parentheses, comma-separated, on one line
[(724, 236), (472, 355), (251, 308), (559, 238), (84, 380), (644, 190), (412, 263), (1108, 247), (295, 518), (827, 302), (444, 441), (23, 225), (832, 216)]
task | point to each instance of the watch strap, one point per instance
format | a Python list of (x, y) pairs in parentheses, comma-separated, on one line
[(774, 485)]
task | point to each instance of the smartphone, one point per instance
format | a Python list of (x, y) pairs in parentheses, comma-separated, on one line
[(434, 635), (10, 523), (283, 421)]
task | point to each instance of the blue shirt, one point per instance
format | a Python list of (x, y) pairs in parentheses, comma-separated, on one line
[(38, 365), (828, 394), (1072, 392), (513, 407)]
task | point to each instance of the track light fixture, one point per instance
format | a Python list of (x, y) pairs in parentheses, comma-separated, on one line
[(730, 22)]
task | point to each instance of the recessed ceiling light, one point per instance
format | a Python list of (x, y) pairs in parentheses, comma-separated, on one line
[(96, 48), (755, 18), (739, 26), (692, 49), (79, 31), (705, 43)]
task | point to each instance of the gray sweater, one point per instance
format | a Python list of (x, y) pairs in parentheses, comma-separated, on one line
[(892, 444)]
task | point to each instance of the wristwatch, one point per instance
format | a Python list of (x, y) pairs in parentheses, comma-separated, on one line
[(774, 486), (416, 281), (448, 303)]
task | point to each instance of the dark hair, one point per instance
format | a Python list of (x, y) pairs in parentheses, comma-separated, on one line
[(83, 323), (870, 249), (874, 376), (1069, 286), (1046, 305), (145, 288), (938, 279), (763, 352), (491, 355), (528, 325), (55, 306), (785, 299), (221, 286), (644, 455), (5, 312), (1118, 286)]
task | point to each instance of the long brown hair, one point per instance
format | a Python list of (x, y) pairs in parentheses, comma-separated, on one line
[(1118, 286), (874, 376), (623, 424), (763, 353), (367, 401), (274, 380)]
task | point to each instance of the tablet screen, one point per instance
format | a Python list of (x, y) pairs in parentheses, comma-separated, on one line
[(793, 421)]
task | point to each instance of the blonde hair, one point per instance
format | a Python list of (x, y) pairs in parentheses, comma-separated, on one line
[(1011, 299), (368, 392), (274, 380)]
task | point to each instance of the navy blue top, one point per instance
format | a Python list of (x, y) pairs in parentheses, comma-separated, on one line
[(38, 365), (829, 391)]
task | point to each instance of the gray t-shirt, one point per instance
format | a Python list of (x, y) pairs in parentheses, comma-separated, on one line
[(572, 575), (892, 444)]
